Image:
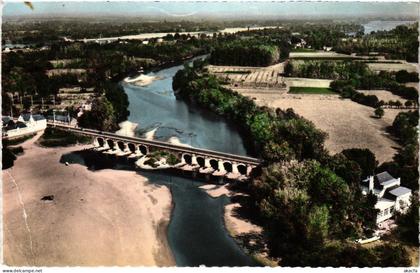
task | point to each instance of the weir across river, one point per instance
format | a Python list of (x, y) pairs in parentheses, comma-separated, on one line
[(192, 159)]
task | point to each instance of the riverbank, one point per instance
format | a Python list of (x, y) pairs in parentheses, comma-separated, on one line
[(106, 217), (249, 236)]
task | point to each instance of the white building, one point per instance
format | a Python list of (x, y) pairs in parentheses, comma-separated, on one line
[(391, 196), (26, 124)]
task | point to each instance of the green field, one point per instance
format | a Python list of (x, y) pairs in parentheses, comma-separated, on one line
[(311, 90)]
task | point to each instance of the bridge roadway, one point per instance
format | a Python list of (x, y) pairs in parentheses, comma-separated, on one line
[(250, 161)]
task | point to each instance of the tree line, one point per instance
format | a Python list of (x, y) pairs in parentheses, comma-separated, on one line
[(245, 55)]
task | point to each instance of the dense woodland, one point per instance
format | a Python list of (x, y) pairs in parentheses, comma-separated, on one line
[(257, 55)]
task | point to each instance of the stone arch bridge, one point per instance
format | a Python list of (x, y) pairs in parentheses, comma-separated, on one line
[(195, 159)]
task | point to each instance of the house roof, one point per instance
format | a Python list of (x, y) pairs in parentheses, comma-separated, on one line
[(389, 196), (5, 119), (38, 117), (384, 177), (26, 117), (400, 191)]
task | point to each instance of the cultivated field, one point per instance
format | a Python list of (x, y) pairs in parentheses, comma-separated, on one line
[(311, 90), (331, 55), (270, 77), (348, 124), (392, 67), (307, 82), (245, 76), (319, 54)]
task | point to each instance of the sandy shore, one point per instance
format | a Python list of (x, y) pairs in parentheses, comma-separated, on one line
[(141, 80), (235, 224), (248, 236), (104, 217), (127, 128)]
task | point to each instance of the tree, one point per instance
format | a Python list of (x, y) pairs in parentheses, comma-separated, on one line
[(408, 223), (288, 69), (379, 112), (318, 224), (364, 157), (404, 126), (403, 76), (101, 117), (275, 152), (116, 95), (408, 103), (8, 158)]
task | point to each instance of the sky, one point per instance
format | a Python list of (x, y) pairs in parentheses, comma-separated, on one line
[(200, 10)]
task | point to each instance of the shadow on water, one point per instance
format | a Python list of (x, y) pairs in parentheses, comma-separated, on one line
[(196, 232)]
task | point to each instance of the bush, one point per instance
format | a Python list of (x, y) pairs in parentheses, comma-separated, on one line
[(403, 76), (8, 158), (54, 137), (346, 90), (379, 112)]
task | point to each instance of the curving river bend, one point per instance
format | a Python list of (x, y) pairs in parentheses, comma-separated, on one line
[(196, 232)]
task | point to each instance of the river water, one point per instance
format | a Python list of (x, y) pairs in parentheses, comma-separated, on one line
[(384, 25), (196, 232), (155, 107)]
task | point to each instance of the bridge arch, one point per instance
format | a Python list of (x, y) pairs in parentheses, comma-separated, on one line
[(111, 143), (214, 164), (121, 145), (201, 161), (187, 158), (132, 147), (228, 166), (242, 169), (143, 149), (100, 141)]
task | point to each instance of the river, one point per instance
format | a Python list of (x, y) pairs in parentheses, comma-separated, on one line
[(196, 233), (145, 36), (384, 25)]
